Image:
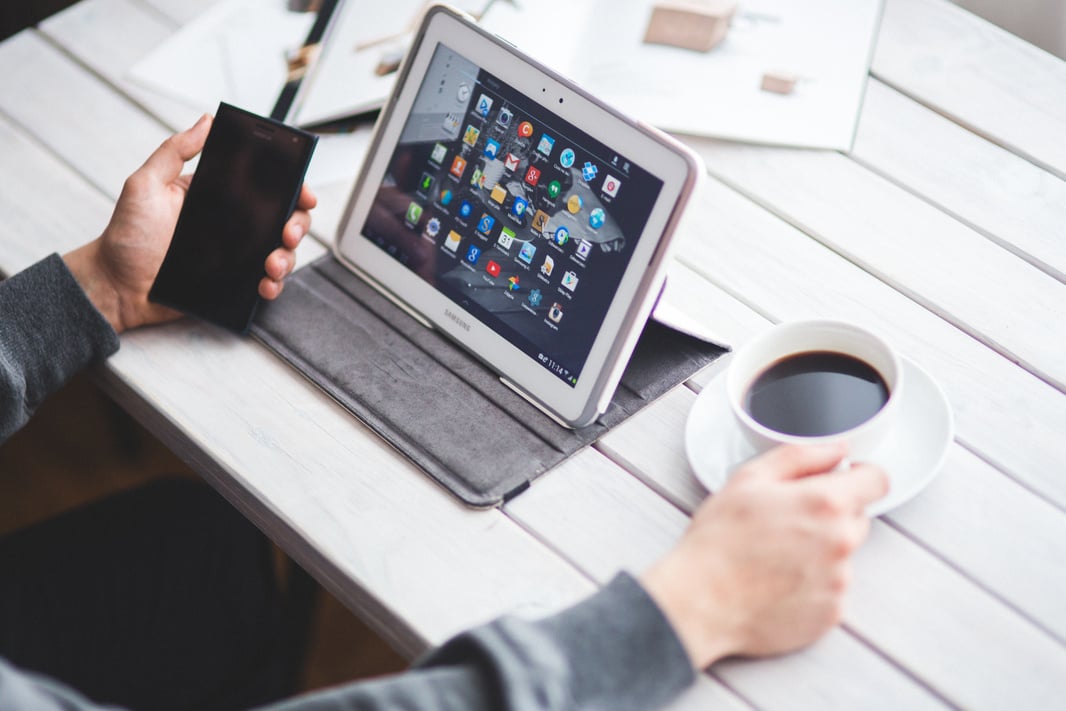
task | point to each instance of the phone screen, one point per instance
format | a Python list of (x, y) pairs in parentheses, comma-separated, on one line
[(244, 190)]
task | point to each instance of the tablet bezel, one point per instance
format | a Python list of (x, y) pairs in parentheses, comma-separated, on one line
[(665, 158)]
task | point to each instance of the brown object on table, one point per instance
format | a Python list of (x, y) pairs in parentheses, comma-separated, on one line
[(304, 5), (300, 61), (779, 82), (390, 61), (698, 25)]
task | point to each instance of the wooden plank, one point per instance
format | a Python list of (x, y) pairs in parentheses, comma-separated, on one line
[(695, 298), (907, 243), (604, 521), (32, 183), (996, 532), (110, 37), (864, 680), (949, 633), (1006, 415), (180, 12), (980, 76), (651, 445), (1006, 198), (100, 134), (705, 694), (599, 505)]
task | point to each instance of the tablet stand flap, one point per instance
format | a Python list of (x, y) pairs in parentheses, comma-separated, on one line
[(437, 405)]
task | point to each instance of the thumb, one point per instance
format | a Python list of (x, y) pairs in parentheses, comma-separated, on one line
[(795, 461), (166, 163)]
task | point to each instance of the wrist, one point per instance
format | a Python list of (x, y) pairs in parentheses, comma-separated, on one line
[(703, 625), (85, 264)]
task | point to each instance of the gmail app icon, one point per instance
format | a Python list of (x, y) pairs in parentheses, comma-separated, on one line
[(511, 162), (611, 185)]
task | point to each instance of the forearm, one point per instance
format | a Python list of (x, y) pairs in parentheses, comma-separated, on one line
[(50, 330), (613, 651)]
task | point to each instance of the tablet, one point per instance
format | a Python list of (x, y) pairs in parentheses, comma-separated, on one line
[(517, 214)]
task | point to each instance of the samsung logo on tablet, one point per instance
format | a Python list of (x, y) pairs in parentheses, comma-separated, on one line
[(462, 324)]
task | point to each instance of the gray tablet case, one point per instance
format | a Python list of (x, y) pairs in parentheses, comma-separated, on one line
[(432, 401)]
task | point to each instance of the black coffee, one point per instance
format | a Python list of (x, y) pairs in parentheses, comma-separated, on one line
[(816, 393)]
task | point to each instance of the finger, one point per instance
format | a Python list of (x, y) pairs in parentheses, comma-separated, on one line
[(854, 531), (295, 229), (307, 200), (860, 530), (795, 461), (279, 264), (166, 163), (858, 486), (270, 289)]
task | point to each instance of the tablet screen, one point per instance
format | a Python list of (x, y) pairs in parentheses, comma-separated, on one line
[(516, 215)]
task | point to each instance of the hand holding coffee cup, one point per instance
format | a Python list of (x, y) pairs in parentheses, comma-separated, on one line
[(816, 382)]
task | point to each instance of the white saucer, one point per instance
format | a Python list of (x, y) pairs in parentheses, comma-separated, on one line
[(912, 454)]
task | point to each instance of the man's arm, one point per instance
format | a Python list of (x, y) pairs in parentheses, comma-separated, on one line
[(614, 651), (50, 331), (62, 314), (762, 569), (117, 269)]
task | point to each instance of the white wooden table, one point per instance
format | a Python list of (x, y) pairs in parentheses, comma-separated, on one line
[(945, 227)]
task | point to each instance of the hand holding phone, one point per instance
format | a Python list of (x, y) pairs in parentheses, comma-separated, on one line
[(244, 190)]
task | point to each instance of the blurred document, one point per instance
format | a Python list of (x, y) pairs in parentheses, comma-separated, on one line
[(356, 70), (826, 44), (235, 52)]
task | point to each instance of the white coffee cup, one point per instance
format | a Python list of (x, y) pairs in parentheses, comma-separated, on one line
[(801, 337)]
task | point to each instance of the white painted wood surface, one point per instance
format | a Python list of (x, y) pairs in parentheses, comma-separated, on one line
[(1012, 202), (179, 12), (121, 135), (980, 76), (905, 242), (948, 242), (110, 36), (33, 227)]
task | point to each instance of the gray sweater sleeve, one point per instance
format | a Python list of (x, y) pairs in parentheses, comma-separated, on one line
[(614, 651), (49, 330)]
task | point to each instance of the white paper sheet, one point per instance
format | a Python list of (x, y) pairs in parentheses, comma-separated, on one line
[(599, 44), (234, 52)]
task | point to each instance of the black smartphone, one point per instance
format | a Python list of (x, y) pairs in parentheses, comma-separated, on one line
[(243, 192)]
